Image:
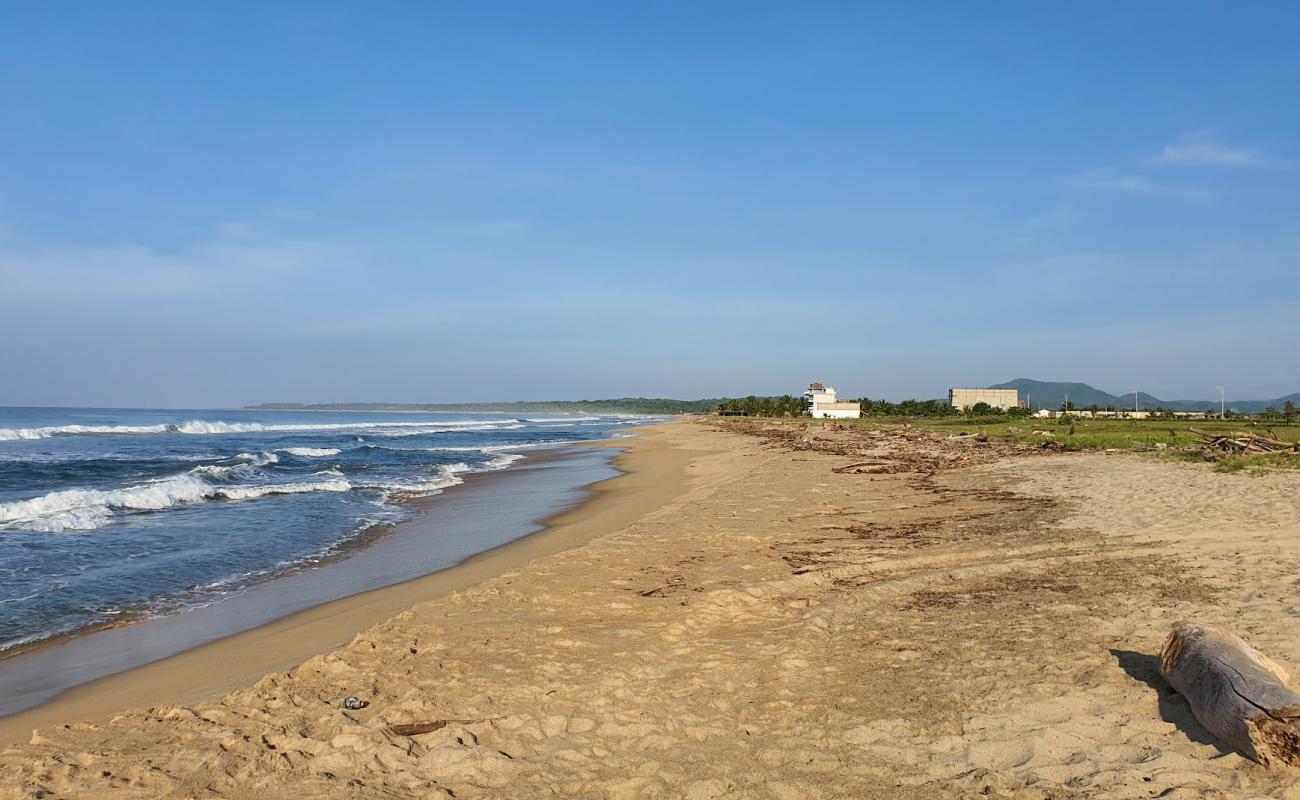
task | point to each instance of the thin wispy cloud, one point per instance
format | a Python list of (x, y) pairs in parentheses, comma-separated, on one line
[(1202, 149), (1110, 180)]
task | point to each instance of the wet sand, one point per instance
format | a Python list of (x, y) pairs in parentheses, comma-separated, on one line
[(736, 619)]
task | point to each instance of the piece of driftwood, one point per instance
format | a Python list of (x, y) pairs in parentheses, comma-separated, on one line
[(861, 468), (417, 728), (1236, 692)]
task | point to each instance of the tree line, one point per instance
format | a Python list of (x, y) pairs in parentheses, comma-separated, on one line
[(789, 406), (751, 406)]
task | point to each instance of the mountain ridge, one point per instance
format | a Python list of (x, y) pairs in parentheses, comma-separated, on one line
[(1050, 394)]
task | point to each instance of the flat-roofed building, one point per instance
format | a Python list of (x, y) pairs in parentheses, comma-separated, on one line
[(823, 404), (996, 398)]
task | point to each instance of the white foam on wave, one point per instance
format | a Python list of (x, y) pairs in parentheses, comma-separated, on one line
[(259, 459), (247, 466), (562, 419), (504, 460), (15, 434), (445, 475), (87, 509), (225, 471), (311, 452), (487, 448), (201, 427), (503, 426)]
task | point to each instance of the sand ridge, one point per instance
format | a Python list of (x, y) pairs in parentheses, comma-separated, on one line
[(773, 630)]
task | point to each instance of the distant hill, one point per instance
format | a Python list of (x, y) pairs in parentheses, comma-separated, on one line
[(620, 405), (1050, 394)]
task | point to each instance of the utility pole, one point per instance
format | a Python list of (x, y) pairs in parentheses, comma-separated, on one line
[(1223, 409)]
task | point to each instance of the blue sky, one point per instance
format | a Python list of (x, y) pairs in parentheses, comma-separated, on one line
[(423, 202)]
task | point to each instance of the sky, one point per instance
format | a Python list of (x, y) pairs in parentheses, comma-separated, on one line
[(211, 205)]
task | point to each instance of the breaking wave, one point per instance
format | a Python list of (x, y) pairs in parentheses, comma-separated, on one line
[(87, 509), (15, 434), (446, 475), (489, 448), (205, 427), (504, 425), (311, 452), (562, 419), (246, 465)]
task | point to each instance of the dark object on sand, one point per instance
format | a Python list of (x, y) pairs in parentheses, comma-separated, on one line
[(1235, 691), (353, 703), (417, 728), (862, 468)]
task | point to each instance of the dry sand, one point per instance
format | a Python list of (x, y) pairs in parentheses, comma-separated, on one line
[(743, 622)]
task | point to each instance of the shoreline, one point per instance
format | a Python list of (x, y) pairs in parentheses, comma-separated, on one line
[(364, 538), (212, 668)]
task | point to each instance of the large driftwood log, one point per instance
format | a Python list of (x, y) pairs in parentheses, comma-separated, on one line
[(1235, 691)]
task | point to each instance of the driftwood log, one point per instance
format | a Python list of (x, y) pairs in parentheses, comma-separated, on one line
[(417, 728), (1236, 692), (862, 468)]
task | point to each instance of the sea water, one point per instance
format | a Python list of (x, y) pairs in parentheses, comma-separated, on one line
[(109, 514)]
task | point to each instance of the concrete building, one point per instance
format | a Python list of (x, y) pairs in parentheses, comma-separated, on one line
[(823, 404), (996, 398)]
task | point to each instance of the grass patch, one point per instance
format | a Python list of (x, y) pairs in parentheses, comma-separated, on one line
[(1161, 437), (1258, 464)]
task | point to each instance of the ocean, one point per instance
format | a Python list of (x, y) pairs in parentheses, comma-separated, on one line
[(110, 514)]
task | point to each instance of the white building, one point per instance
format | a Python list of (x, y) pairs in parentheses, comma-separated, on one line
[(823, 404), (995, 398), (1047, 413)]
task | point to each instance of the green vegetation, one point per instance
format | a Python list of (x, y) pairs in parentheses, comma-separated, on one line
[(907, 408), (936, 409), (1100, 434), (783, 406), (1158, 436), (1258, 464), (787, 406)]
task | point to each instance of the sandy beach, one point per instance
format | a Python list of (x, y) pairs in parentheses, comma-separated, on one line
[(734, 619), (298, 613)]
